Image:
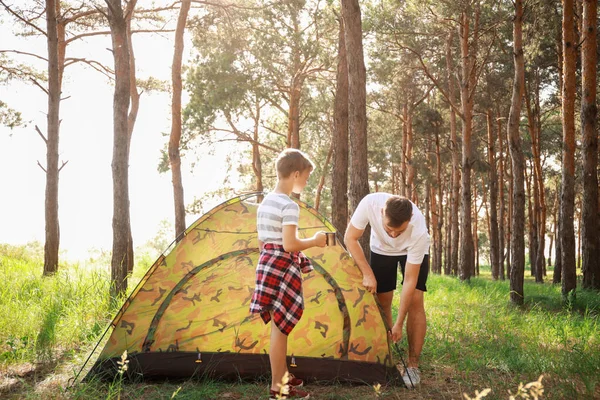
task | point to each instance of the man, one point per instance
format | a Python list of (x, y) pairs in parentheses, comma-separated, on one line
[(398, 235)]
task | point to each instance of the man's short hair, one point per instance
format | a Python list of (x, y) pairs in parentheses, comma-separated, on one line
[(398, 210), (292, 160)]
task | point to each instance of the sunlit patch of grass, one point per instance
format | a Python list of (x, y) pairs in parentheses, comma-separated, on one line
[(473, 326)]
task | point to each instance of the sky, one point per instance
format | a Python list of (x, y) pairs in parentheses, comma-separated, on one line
[(86, 139)]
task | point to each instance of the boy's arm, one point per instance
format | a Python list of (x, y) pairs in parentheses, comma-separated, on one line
[(292, 243), (351, 240)]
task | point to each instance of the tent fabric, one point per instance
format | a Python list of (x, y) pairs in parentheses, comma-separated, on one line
[(189, 315)]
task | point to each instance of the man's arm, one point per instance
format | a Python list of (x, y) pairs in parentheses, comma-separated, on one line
[(411, 275), (351, 240)]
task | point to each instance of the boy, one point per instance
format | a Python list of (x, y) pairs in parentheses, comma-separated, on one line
[(278, 292), (398, 236)]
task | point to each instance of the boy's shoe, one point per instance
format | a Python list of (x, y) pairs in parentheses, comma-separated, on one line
[(295, 382), (412, 377), (293, 394)]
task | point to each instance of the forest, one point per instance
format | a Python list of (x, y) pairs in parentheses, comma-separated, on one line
[(482, 113)]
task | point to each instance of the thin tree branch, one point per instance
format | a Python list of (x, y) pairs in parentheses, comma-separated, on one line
[(20, 18), (37, 129)]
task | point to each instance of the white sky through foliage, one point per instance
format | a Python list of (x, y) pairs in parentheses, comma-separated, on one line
[(86, 139)]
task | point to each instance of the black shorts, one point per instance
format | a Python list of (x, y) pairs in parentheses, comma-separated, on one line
[(385, 269)]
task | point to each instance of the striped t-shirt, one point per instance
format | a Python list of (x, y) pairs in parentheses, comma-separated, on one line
[(275, 211)]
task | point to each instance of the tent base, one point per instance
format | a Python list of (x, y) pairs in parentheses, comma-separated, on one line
[(236, 366)]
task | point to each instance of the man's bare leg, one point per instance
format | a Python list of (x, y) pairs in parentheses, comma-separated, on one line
[(416, 327), (385, 299)]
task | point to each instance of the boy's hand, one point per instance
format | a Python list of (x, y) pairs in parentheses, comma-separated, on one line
[(320, 239)]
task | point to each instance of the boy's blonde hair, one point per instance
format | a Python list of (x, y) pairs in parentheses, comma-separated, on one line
[(292, 160)]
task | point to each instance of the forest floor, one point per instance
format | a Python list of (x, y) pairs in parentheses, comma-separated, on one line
[(476, 340)]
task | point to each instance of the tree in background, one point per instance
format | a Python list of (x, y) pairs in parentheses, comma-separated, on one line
[(339, 187), (516, 154), (589, 113), (566, 231), (175, 137), (116, 16), (357, 108)]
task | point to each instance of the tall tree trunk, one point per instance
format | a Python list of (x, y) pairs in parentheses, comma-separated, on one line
[(294, 114), (589, 111), (518, 214), (175, 137), (323, 176), (453, 227), (494, 251), (502, 208), (475, 228), (557, 278), (51, 197), (403, 152), (531, 221), (134, 107), (339, 179), (256, 160), (410, 169), (440, 206), (468, 52), (540, 203), (567, 234), (449, 219), (120, 164), (357, 108), (296, 83)]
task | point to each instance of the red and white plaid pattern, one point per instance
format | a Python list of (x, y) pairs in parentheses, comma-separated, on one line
[(279, 286)]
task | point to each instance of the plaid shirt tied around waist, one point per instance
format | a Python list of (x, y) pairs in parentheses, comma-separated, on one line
[(279, 286)]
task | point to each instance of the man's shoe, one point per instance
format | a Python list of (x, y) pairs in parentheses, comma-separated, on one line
[(412, 377), (295, 382), (293, 394)]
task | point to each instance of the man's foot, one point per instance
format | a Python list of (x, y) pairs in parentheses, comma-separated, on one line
[(293, 394), (295, 382), (412, 377)]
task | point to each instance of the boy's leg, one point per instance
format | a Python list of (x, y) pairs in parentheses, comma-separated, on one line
[(416, 327), (277, 356)]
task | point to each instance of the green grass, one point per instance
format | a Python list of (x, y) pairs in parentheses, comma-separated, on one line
[(476, 339)]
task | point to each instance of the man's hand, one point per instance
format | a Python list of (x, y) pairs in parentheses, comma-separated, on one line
[(396, 333), (370, 283)]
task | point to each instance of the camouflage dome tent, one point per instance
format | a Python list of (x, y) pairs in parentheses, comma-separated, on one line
[(189, 315)]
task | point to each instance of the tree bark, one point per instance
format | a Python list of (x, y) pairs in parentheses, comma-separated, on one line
[(440, 204), (531, 220), (516, 153), (567, 234), (134, 106), (502, 208), (339, 179), (323, 176), (589, 111), (557, 278), (494, 251), (403, 163), (468, 52), (52, 243), (453, 227), (121, 216), (175, 137), (357, 108)]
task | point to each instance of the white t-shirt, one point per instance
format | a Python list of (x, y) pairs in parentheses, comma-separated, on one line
[(276, 210), (413, 242)]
